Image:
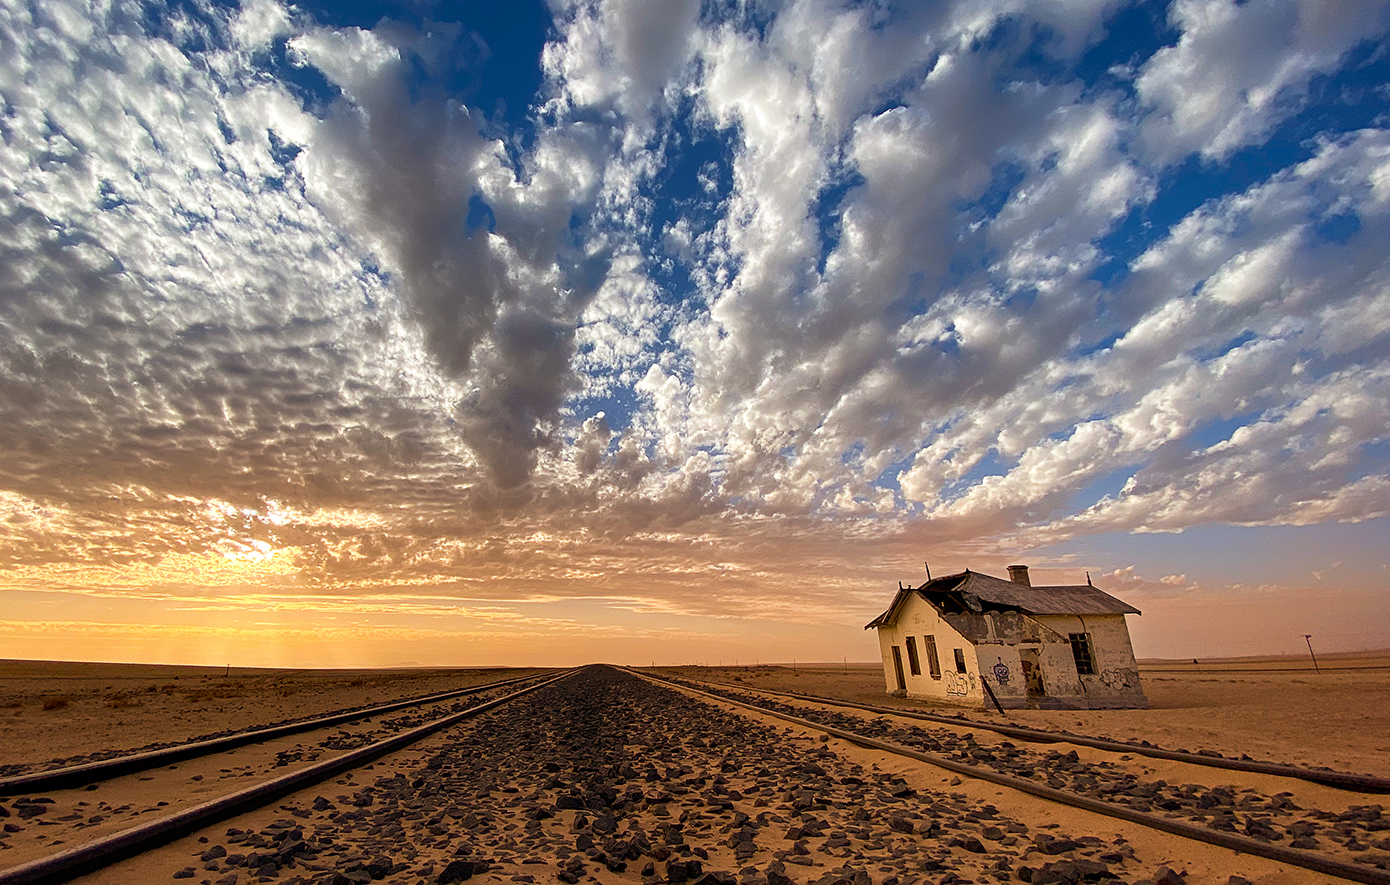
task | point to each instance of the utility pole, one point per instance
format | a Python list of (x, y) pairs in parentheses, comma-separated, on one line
[(1308, 638)]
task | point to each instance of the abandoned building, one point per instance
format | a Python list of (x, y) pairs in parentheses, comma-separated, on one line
[(979, 641)]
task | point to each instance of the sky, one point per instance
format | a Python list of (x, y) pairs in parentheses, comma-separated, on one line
[(415, 333)]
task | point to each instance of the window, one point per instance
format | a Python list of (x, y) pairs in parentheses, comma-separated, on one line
[(913, 663), (932, 662), (960, 660), (1081, 650)]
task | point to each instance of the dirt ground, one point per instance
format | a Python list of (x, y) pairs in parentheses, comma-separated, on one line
[(51, 710), (1338, 718), (1266, 708)]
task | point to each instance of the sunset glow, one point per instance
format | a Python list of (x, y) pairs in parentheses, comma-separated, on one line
[(382, 333)]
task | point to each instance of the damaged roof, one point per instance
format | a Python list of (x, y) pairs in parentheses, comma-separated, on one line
[(975, 592)]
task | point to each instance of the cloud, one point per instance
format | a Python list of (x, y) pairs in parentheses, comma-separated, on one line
[(743, 297), (1239, 68)]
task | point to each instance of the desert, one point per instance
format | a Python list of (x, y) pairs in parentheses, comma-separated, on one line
[(602, 775)]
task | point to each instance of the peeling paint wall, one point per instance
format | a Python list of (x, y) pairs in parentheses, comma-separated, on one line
[(1115, 682), (994, 644)]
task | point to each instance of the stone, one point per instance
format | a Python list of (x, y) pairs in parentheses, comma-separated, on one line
[(455, 871)]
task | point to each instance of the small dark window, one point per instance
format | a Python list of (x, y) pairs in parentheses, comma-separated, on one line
[(933, 662), (913, 663), (1081, 650), (960, 660)]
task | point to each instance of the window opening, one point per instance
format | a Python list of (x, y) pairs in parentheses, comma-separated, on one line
[(1081, 651), (913, 663), (960, 660), (933, 662)]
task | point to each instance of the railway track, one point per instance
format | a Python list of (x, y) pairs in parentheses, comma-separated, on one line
[(606, 776), (178, 803), (1360, 783), (1353, 843), (68, 776)]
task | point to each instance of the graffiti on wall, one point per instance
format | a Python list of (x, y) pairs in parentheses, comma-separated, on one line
[(1001, 672), (1120, 678), (960, 684)]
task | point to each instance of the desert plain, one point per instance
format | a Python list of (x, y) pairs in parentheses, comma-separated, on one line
[(701, 782)]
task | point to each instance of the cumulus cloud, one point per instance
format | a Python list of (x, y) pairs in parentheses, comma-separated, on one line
[(743, 294), (1239, 68)]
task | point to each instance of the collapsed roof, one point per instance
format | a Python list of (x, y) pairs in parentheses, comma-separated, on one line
[(973, 592)]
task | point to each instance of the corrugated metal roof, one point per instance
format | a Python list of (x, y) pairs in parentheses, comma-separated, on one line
[(1062, 599), (1058, 599)]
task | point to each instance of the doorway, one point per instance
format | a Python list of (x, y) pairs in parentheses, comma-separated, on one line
[(898, 668), (1031, 662)]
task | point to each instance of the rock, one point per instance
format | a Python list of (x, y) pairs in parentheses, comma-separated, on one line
[(604, 824), (1238, 880), (1166, 876), (1076, 871), (1055, 845), (185, 873), (1261, 830), (455, 871), (213, 853)]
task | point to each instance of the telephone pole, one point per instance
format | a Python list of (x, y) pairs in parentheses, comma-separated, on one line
[(1308, 638)]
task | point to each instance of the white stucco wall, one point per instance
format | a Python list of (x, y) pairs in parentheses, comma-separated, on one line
[(993, 656), (1115, 682), (919, 620), (1000, 666)]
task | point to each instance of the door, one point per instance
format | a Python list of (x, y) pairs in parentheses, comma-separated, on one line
[(898, 668), (1031, 663)]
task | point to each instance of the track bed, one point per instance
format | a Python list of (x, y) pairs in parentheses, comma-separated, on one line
[(609, 778)]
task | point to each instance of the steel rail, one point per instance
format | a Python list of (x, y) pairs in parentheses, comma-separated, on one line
[(1243, 844), (104, 769), (1360, 783), (103, 852)]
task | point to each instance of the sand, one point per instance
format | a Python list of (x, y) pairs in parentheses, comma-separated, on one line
[(53, 712), (409, 814), (1264, 707), (1272, 710)]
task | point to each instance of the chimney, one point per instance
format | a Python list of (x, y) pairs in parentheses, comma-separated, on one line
[(1019, 575)]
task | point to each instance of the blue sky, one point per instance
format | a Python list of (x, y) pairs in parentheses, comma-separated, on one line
[(519, 313)]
